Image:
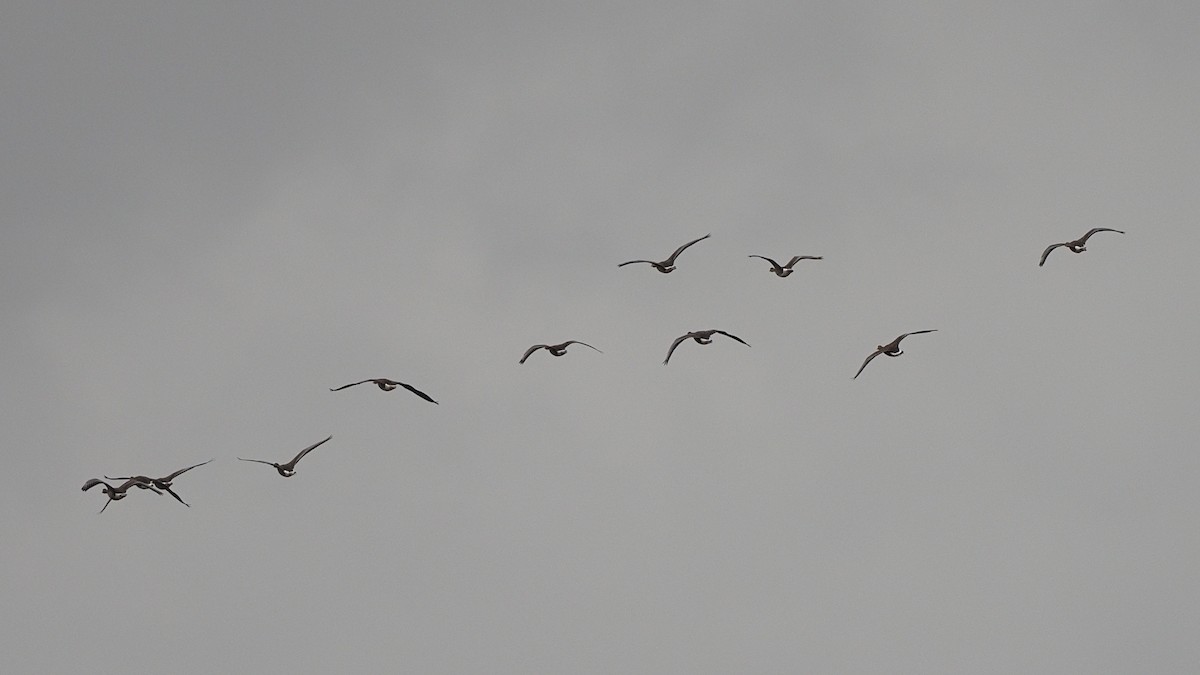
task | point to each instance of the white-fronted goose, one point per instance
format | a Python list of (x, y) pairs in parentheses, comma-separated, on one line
[(288, 470), (702, 337), (890, 349), (164, 483), (388, 385), (556, 350), (667, 265), (119, 492), (1077, 246), (784, 270)]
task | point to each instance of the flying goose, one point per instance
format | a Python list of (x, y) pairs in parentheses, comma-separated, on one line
[(119, 492), (556, 350), (702, 337), (667, 266), (388, 385), (163, 483), (1078, 245), (890, 349), (784, 270), (288, 470)]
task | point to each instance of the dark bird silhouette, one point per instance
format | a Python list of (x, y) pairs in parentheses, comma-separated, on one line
[(1077, 246), (667, 265), (119, 492), (890, 349), (163, 483), (556, 350), (288, 470), (784, 270), (702, 337), (388, 385)]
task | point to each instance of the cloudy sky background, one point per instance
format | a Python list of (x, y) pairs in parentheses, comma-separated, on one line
[(210, 216)]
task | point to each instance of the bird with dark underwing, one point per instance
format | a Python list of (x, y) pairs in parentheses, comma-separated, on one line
[(288, 470), (121, 491), (782, 271), (1076, 246), (388, 385), (667, 266), (555, 350), (701, 337), (890, 349)]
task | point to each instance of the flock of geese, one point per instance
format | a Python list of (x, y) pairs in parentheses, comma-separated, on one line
[(702, 337)]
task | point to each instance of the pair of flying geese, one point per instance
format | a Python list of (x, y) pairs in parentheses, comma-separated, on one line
[(667, 266), (703, 337)]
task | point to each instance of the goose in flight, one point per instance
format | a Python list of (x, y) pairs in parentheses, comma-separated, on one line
[(667, 266), (1077, 246), (784, 270), (163, 483), (556, 350), (288, 470), (388, 385), (702, 337), (119, 492), (890, 349)]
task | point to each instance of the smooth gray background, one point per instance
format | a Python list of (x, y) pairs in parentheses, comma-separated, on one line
[(213, 215)]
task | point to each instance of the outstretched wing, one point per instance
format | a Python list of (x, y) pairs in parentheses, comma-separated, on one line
[(305, 451), (93, 482), (1094, 230), (797, 258), (675, 344), (577, 342), (418, 392), (530, 351), (774, 265), (260, 461), (648, 262), (1046, 253), (671, 261), (915, 332), (347, 386), (864, 365), (731, 335), (172, 493), (172, 476)]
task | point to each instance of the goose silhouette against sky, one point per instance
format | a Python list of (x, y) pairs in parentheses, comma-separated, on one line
[(288, 470), (163, 483), (1077, 246), (702, 337), (556, 350), (782, 271), (118, 493), (890, 349), (388, 385), (667, 265)]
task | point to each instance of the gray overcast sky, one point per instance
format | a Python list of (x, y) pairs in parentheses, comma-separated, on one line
[(212, 215)]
